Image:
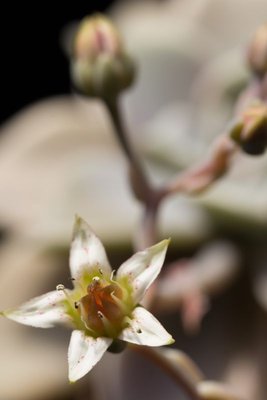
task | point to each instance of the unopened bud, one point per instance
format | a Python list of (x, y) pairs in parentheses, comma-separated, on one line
[(250, 132), (100, 66), (257, 51), (96, 35)]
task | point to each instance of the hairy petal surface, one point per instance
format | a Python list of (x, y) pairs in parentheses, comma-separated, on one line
[(44, 311), (142, 268), (145, 329), (84, 352), (87, 252)]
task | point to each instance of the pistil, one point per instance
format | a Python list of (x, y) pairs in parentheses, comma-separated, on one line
[(102, 309)]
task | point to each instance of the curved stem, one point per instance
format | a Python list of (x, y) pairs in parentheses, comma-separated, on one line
[(139, 181), (115, 115), (142, 188), (197, 179), (146, 235), (156, 357)]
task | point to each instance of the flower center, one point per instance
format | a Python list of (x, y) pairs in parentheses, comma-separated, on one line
[(102, 309)]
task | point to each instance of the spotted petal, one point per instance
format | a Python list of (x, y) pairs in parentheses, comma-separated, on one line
[(87, 253), (84, 352), (143, 268), (42, 312), (146, 330)]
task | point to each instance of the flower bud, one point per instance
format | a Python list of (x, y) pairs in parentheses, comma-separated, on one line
[(100, 66), (250, 132), (257, 51)]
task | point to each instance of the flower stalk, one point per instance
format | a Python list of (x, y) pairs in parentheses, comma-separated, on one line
[(199, 178), (139, 181), (158, 358), (146, 235)]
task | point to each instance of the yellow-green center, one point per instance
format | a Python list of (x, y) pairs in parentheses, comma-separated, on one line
[(101, 306)]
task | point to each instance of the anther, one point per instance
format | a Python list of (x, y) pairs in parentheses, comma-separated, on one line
[(76, 304), (62, 288), (100, 270), (96, 279), (139, 330)]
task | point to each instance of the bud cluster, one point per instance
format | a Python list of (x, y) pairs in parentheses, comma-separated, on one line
[(100, 66)]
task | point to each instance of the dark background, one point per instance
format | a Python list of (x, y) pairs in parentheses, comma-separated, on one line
[(33, 65)]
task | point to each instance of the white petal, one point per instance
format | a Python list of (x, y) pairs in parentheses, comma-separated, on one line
[(84, 352), (146, 330), (143, 268), (87, 252), (42, 312)]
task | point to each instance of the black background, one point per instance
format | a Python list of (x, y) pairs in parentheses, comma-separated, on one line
[(33, 65)]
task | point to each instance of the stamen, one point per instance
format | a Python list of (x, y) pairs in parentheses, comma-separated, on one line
[(107, 325), (62, 288), (96, 279), (112, 276), (100, 314), (100, 270)]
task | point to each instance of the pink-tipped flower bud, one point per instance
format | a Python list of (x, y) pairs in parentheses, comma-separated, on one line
[(257, 51), (250, 132), (100, 66)]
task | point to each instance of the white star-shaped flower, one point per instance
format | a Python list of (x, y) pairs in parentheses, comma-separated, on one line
[(103, 305)]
